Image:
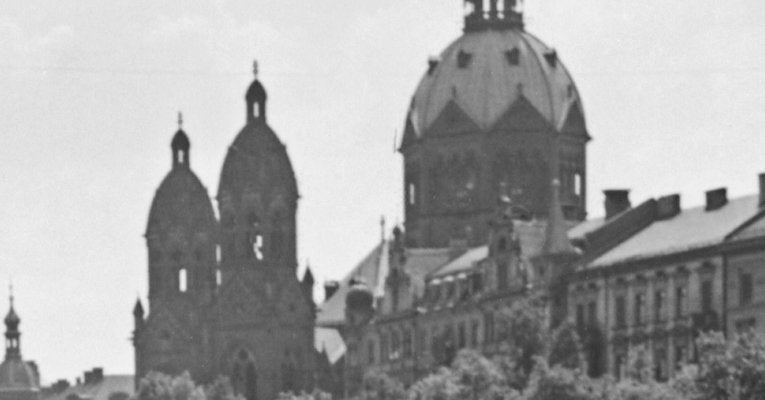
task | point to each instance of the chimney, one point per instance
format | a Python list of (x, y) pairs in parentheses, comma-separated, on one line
[(330, 287), (668, 207), (617, 201), (762, 190), (88, 378), (716, 198), (98, 374)]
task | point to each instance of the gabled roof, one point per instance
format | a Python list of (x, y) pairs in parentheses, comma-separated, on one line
[(691, 229), (332, 311)]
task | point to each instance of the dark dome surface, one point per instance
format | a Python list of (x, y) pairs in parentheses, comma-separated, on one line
[(485, 83), (181, 201), (16, 374), (257, 162)]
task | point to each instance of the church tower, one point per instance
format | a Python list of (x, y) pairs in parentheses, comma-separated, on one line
[(19, 379), (181, 240), (264, 314), (482, 124)]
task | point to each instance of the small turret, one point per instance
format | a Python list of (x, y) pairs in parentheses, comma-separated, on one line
[(138, 314), (256, 98), (359, 303), (180, 146), (308, 282), (12, 334)]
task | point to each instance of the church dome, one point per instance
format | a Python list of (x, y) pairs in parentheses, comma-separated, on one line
[(486, 71), (257, 163), (181, 201), (16, 374)]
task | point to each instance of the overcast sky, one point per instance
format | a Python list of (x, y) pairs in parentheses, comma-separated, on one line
[(673, 95)]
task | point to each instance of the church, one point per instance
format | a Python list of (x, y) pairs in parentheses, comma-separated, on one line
[(223, 297), (495, 187)]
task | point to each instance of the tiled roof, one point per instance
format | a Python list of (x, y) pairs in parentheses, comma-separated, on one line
[(422, 262), (691, 229), (100, 390)]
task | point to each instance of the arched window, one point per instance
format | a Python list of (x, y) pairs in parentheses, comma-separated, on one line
[(578, 184), (181, 156), (182, 280), (244, 377), (411, 194), (218, 277)]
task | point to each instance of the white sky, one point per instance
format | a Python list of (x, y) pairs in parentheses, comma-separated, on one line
[(673, 95)]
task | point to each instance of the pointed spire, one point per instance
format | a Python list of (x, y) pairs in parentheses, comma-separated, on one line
[(12, 334), (138, 311), (382, 228)]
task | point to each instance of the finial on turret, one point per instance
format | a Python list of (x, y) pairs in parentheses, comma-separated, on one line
[(382, 228), (255, 68), (180, 120)]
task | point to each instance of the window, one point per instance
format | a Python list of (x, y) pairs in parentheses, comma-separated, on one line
[(257, 247), (411, 194), (477, 281), (706, 296), (746, 288), (488, 330), (407, 343), (370, 352), (384, 347), (463, 59), (513, 56), (639, 308), (744, 325), (659, 305), (474, 334), (217, 253), (578, 184), (592, 314), (681, 294), (680, 355), (621, 310), (660, 364), (218, 277), (395, 346), (580, 316), (182, 284)]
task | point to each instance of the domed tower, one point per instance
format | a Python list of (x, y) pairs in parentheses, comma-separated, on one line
[(265, 315), (257, 197), (18, 378), (482, 124), (181, 240)]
